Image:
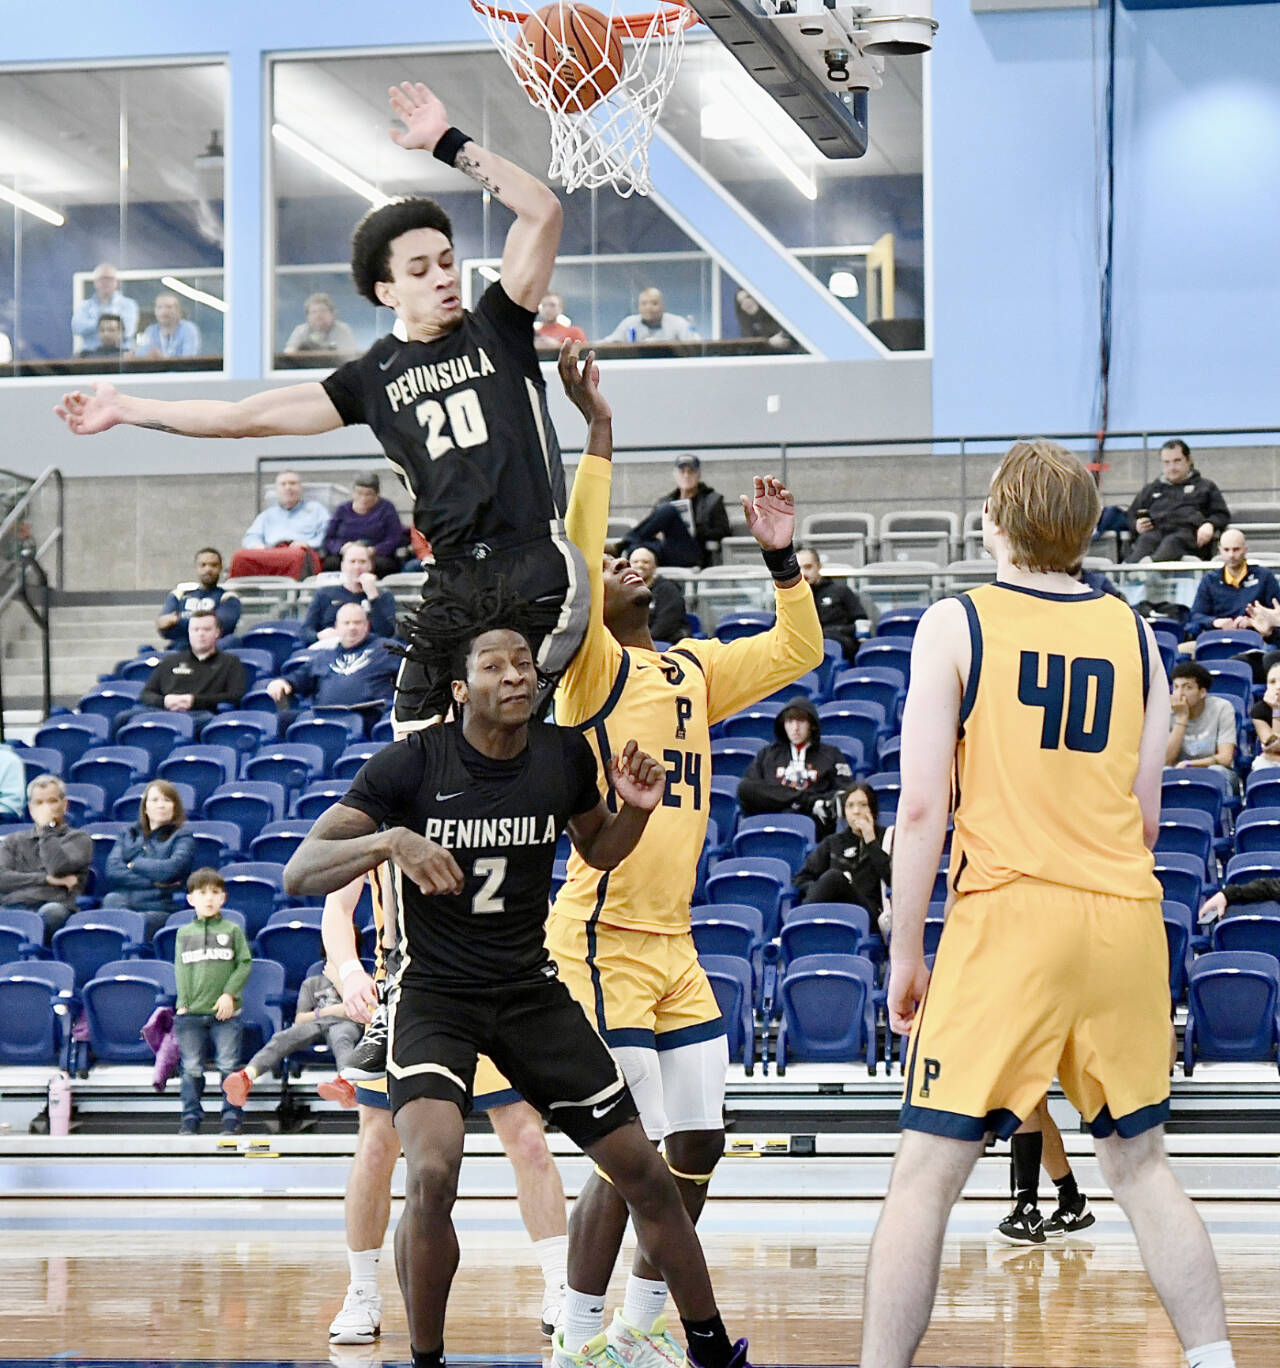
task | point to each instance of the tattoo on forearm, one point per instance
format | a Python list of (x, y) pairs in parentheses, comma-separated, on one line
[(162, 427), (470, 167)]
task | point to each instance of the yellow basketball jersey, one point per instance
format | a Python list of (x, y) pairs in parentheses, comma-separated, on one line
[(666, 703), (1050, 725)]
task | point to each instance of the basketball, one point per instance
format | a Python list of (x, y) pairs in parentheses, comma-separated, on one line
[(573, 56)]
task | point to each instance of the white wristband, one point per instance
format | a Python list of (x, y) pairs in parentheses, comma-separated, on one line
[(349, 968)]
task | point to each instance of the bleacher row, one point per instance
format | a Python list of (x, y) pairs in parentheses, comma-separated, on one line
[(252, 795)]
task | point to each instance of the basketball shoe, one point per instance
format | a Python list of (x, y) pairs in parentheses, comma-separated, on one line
[(552, 1310), (639, 1349), (738, 1359), (360, 1320), (1067, 1220), (368, 1061), (597, 1353), (1023, 1225)]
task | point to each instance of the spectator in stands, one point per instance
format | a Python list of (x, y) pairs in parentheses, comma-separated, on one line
[(1180, 513), (755, 322), (359, 585), (110, 339), (1095, 579), (195, 680), (150, 862), (369, 518), (13, 785), (1239, 895), (357, 671), (840, 610), (552, 327), (653, 323), (321, 1019), (212, 960), (106, 298), (853, 865), (667, 619), (171, 334), (202, 595), (1223, 597), (1265, 715), (686, 525), (323, 331), (285, 537), (797, 773), (1202, 726), (44, 867)]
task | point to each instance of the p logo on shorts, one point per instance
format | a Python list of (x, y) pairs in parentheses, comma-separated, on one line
[(932, 1068)]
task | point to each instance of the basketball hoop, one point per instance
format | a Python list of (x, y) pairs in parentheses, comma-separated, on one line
[(603, 109)]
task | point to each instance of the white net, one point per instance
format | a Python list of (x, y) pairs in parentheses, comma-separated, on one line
[(603, 99)]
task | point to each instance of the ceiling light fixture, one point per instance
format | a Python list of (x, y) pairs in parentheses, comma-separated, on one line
[(324, 162), (726, 115), (30, 206), (200, 296)]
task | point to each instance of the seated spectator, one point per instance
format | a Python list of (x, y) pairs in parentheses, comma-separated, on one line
[(1180, 513), (653, 323), (212, 960), (369, 518), (285, 537), (1223, 596), (755, 322), (687, 525), (195, 680), (171, 334), (106, 298), (321, 1019), (853, 865), (552, 327), (1095, 579), (1265, 716), (357, 671), (150, 862), (44, 867), (1202, 726), (13, 785), (797, 773), (110, 339), (359, 585), (667, 619), (1240, 895), (840, 610), (202, 595), (322, 332)]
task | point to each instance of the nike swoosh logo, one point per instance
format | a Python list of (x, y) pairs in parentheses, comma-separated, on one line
[(444, 797), (389, 362), (598, 1112)]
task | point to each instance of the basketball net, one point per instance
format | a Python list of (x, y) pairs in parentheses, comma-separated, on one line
[(607, 144)]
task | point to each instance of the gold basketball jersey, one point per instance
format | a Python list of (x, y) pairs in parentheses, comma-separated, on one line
[(1050, 725)]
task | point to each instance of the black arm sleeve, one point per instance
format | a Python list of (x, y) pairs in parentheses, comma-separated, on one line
[(1255, 890)]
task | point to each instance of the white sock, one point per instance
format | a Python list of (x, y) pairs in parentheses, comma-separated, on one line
[(643, 1303), (1215, 1355), (553, 1255), (363, 1264), (583, 1319)]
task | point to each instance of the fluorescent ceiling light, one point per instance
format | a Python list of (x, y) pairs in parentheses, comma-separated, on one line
[(716, 122), (843, 284), (25, 202), (182, 288), (324, 162), (727, 116)]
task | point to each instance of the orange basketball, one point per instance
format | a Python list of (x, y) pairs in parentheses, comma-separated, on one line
[(572, 54)]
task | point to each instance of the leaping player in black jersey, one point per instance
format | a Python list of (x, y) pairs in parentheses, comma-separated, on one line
[(469, 814), (459, 407)]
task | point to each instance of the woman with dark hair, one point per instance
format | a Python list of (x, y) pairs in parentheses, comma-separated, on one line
[(151, 861), (853, 865)]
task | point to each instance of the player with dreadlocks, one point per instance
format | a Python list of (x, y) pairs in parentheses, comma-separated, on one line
[(469, 813)]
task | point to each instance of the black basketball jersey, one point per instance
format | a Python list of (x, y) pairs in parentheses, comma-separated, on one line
[(464, 421), (500, 820)]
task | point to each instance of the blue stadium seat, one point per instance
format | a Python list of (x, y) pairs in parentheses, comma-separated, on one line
[(91, 944), (807, 686), (870, 683), (832, 663), (1196, 788), (117, 1003), (279, 638), (383, 730), (1218, 645), (1256, 865), (244, 730), (730, 981), (722, 798), (104, 836), (886, 653), (827, 1011), (824, 929), (86, 803), (21, 933), (761, 883), (1182, 877), (72, 734), (255, 889), (110, 699), (163, 943), (754, 723), (249, 803), (295, 944), (863, 719), (258, 664), (125, 808), (352, 759), (731, 757), (203, 767), (41, 760), (788, 836), (1233, 1008), (1258, 829), (278, 840), (317, 798), (290, 763), (216, 842), (734, 626), (851, 748), (332, 732), (1262, 788), (138, 670), (733, 930), (112, 768), (34, 1027), (900, 622), (889, 756), (887, 787), (262, 1004), (1247, 930), (158, 733), (1186, 831), (933, 929), (1179, 930)]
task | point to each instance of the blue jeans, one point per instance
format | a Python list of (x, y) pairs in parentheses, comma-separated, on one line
[(196, 1036), (666, 534)]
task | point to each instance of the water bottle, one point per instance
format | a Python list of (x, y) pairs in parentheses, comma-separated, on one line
[(60, 1104), (631, 334)]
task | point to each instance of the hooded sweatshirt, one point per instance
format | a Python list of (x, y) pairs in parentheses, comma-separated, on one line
[(211, 957), (782, 778)]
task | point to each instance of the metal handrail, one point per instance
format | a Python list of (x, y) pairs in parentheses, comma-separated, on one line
[(49, 475), (25, 565)]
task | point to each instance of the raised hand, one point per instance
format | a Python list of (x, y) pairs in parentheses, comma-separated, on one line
[(771, 513), (638, 779), (582, 383), (421, 112), (86, 414)]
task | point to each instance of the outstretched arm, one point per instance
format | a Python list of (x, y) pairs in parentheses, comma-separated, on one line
[(294, 411), (530, 253)]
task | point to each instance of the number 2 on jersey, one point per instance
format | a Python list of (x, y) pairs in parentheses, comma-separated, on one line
[(458, 422), (1089, 675), (494, 870)]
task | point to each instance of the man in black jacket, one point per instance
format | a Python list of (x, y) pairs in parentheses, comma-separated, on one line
[(1180, 514), (667, 619), (797, 773), (193, 681), (840, 610), (44, 868), (687, 525)]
